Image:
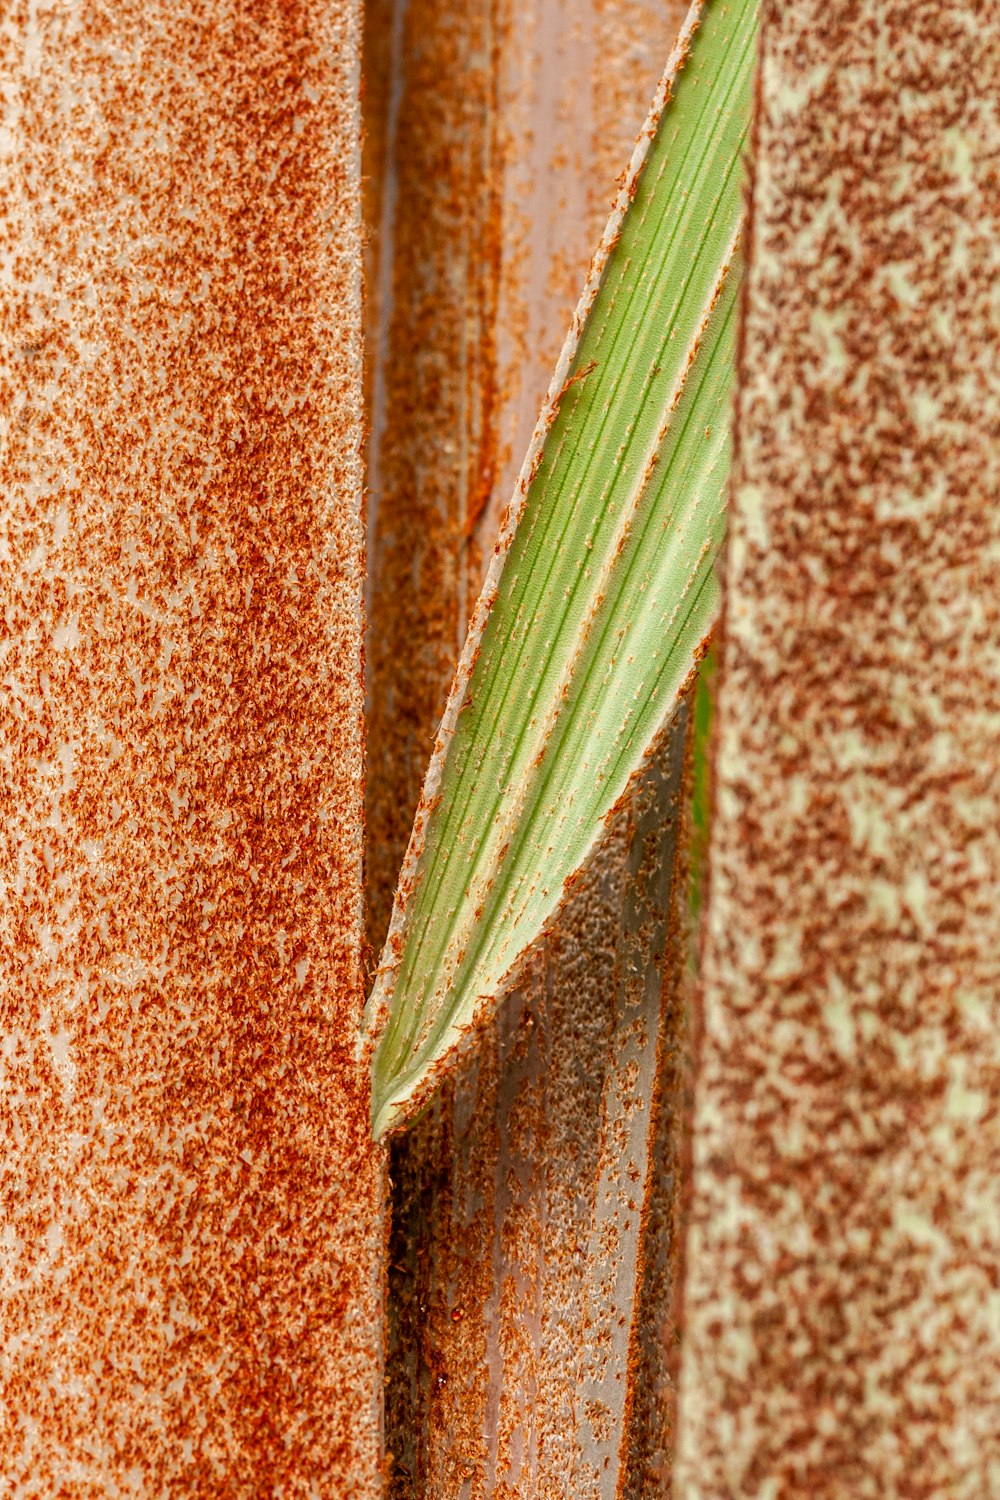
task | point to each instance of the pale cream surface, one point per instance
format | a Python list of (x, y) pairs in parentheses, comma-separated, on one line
[(189, 1203), (842, 1305)]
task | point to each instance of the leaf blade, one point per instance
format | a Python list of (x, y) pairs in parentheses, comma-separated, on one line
[(602, 589)]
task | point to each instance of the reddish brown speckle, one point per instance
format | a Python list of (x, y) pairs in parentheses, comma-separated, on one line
[(190, 1202), (841, 1328)]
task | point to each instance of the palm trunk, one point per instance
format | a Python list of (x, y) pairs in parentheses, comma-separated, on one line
[(191, 1203), (840, 1307)]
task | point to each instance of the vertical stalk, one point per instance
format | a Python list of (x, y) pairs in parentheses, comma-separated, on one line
[(840, 1311), (190, 1200)]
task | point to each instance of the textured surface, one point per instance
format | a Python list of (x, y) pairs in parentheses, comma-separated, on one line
[(188, 1201), (842, 1313)]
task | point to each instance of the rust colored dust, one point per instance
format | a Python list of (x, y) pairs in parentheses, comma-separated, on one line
[(841, 1331), (190, 1202)]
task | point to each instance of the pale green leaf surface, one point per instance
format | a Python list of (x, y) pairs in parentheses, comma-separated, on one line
[(603, 588)]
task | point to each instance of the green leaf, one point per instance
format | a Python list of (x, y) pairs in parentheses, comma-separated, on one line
[(602, 589)]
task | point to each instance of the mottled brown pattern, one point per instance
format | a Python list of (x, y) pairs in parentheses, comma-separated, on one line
[(842, 1304), (189, 1202), (494, 1188)]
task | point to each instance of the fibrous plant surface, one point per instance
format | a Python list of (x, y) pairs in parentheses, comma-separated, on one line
[(841, 1332), (189, 1201), (602, 587)]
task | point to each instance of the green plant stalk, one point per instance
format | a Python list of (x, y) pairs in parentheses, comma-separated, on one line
[(602, 589)]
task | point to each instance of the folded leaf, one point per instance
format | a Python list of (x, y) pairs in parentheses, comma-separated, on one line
[(602, 588)]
